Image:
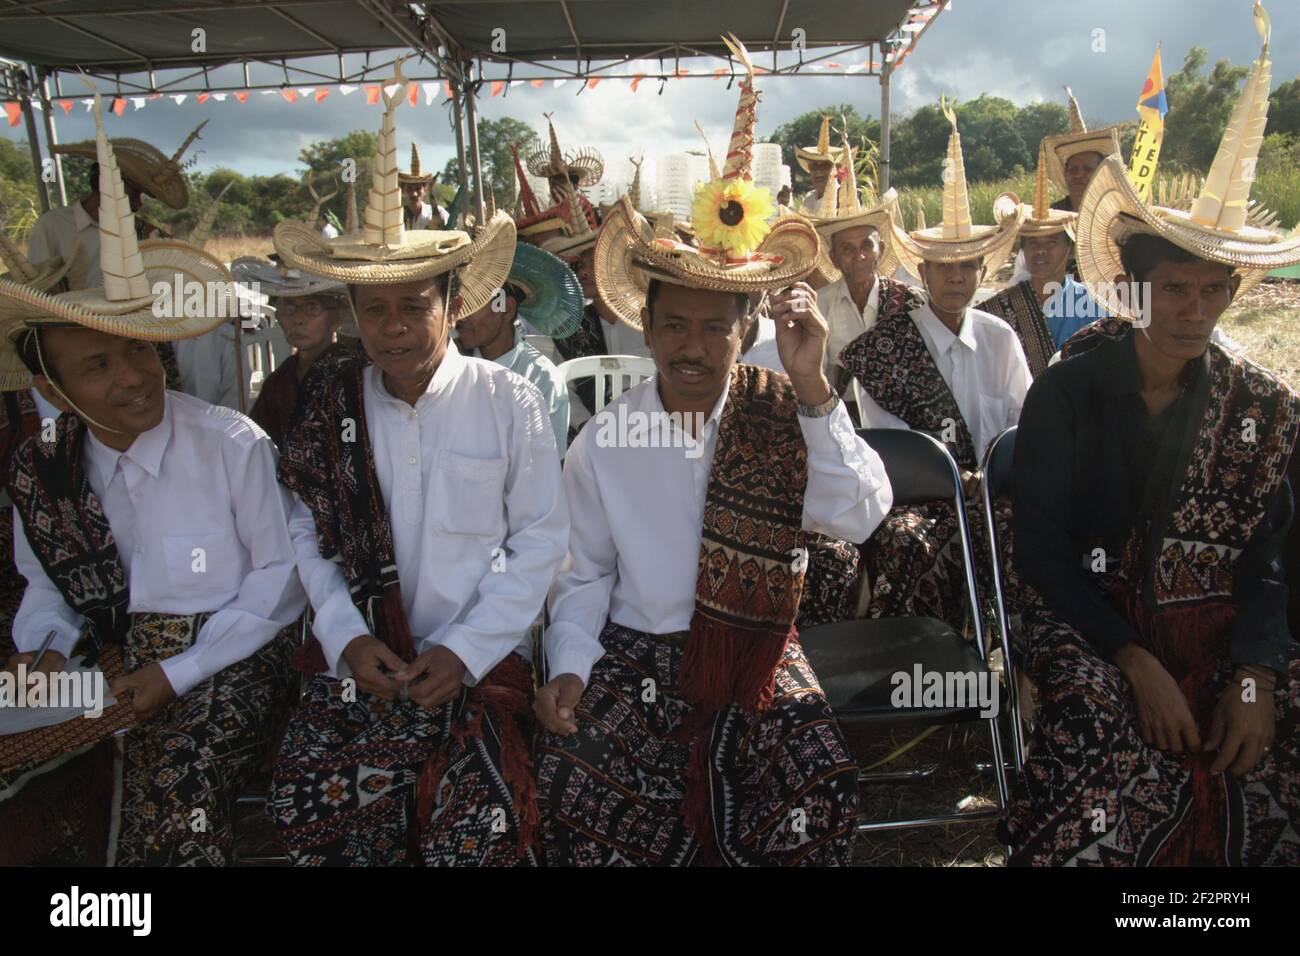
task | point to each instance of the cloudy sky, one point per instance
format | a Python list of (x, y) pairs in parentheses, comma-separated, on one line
[(1024, 50)]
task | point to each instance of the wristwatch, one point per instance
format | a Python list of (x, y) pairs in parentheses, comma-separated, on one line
[(822, 410)]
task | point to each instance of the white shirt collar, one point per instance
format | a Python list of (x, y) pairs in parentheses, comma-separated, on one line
[(81, 219), (942, 335), (656, 404), (146, 451), (873, 297), (448, 369)]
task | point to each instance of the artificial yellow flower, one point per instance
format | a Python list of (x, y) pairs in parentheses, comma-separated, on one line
[(731, 214)]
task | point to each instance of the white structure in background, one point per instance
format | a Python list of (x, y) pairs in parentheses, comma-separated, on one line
[(676, 176), (767, 169)]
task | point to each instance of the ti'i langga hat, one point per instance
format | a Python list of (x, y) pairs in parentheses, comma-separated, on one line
[(553, 301), (160, 176), (384, 252), (1079, 139), (547, 160), (823, 152), (843, 209), (958, 240), (125, 304), (415, 175), (1040, 218), (735, 249), (1221, 224)]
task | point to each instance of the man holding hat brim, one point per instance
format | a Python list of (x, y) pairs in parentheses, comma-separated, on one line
[(429, 527), (860, 250), (1049, 306), (416, 185), (947, 369), (1151, 507), (819, 162), (543, 292), (153, 519), (310, 311), (145, 171), (736, 737)]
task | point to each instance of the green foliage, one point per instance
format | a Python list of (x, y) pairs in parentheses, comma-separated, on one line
[(494, 140), (1198, 111), (803, 131), (1284, 109)]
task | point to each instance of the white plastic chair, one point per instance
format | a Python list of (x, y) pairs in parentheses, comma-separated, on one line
[(615, 373), (264, 350)]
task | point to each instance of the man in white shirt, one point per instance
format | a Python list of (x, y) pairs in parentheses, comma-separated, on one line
[(415, 185), (208, 368), (663, 655), (429, 527), (819, 163), (951, 371), (182, 552)]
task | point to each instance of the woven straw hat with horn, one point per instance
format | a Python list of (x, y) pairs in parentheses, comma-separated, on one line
[(547, 160), (160, 176), (958, 240), (384, 251), (735, 249), (415, 175), (1079, 139), (124, 305), (823, 152), (843, 209), (1040, 218), (1221, 225)]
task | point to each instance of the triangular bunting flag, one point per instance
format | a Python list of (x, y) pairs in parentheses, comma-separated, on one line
[(346, 88), (119, 106), (14, 111), (497, 87), (372, 94), (242, 96), (204, 97), (537, 84), (67, 106), (177, 98), (289, 96), (137, 102), (321, 94)]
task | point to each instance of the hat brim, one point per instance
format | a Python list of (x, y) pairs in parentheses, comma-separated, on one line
[(627, 258), (483, 261), (991, 243), (806, 157), (553, 302), (1060, 148), (1112, 210), (894, 249), (24, 306), (140, 163)]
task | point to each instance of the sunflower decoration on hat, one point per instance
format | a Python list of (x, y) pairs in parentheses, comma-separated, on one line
[(845, 208), (1079, 139), (1220, 225), (126, 304), (161, 176), (384, 252), (734, 248), (958, 240)]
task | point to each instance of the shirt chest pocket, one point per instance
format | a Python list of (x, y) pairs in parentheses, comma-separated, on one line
[(469, 494), (201, 563)]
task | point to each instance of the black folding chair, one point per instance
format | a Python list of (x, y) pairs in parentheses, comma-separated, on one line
[(998, 475), (855, 661)]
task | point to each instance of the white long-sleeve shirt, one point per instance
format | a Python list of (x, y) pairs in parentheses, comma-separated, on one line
[(208, 367), (984, 367), (200, 524), (635, 544), (471, 480)]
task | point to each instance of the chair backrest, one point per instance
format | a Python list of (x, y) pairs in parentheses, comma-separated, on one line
[(259, 358), (920, 468), (998, 463), (613, 374)]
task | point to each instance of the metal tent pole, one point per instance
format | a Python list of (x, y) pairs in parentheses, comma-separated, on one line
[(885, 71), (52, 140), (34, 143), (472, 116), (462, 170)]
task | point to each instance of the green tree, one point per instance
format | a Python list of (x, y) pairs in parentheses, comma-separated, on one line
[(803, 131), (1284, 109), (1199, 106), (494, 140)]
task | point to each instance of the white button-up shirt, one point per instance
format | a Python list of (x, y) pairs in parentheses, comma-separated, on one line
[(529, 362), (984, 366), (635, 545), (471, 480), (200, 525), (208, 369), (845, 322)]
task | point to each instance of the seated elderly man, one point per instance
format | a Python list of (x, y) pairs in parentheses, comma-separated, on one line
[(1151, 507), (152, 519), (951, 371)]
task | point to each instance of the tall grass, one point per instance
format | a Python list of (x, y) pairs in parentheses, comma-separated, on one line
[(1279, 189)]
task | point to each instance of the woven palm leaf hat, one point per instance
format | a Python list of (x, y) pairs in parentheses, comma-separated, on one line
[(958, 240), (260, 281), (1079, 139), (159, 175), (384, 252), (844, 209), (547, 160), (139, 276), (823, 152), (734, 248), (553, 301), (414, 175), (1221, 224), (1040, 218)]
